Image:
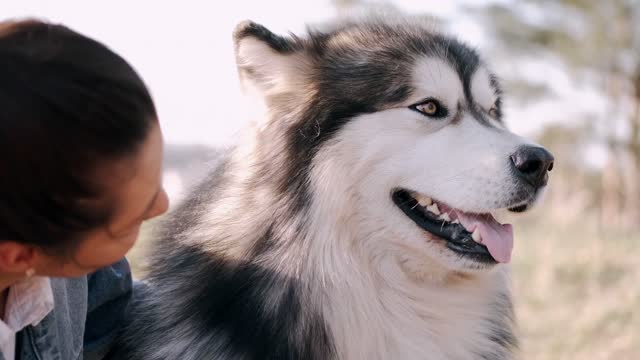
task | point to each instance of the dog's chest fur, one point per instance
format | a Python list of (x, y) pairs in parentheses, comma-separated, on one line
[(466, 320)]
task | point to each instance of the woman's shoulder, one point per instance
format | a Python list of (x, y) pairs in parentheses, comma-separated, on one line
[(94, 289), (88, 312)]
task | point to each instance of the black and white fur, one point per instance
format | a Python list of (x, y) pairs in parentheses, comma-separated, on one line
[(293, 249)]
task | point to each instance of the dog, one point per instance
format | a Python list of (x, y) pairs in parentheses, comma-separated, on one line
[(354, 219)]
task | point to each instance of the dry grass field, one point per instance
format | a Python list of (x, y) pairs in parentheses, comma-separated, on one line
[(577, 292)]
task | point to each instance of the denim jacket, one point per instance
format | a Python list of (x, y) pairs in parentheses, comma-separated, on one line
[(87, 314)]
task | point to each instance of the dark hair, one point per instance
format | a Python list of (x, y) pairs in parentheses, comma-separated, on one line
[(68, 104)]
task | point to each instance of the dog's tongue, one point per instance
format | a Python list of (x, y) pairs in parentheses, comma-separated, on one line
[(498, 238)]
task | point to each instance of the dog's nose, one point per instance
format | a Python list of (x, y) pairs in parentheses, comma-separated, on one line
[(532, 164)]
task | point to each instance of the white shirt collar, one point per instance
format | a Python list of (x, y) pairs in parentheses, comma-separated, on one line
[(29, 301)]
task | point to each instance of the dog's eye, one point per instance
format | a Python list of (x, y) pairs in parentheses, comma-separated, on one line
[(431, 108)]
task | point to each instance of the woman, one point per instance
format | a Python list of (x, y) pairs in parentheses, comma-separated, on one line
[(80, 170)]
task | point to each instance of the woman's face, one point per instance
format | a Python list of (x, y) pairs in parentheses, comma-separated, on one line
[(134, 186)]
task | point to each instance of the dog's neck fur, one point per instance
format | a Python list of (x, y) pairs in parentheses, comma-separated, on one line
[(385, 300)]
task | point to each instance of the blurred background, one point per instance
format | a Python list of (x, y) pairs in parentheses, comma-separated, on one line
[(571, 70)]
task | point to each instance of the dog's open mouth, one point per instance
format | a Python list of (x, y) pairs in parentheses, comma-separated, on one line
[(478, 236)]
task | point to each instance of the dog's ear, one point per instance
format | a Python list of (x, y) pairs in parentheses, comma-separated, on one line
[(269, 62)]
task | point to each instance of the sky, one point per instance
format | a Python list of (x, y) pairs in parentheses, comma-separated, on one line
[(183, 51)]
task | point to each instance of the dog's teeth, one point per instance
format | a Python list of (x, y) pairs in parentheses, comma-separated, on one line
[(476, 236), (424, 201), (445, 217), (434, 209), (456, 221)]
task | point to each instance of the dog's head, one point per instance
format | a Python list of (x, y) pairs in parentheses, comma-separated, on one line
[(397, 128)]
